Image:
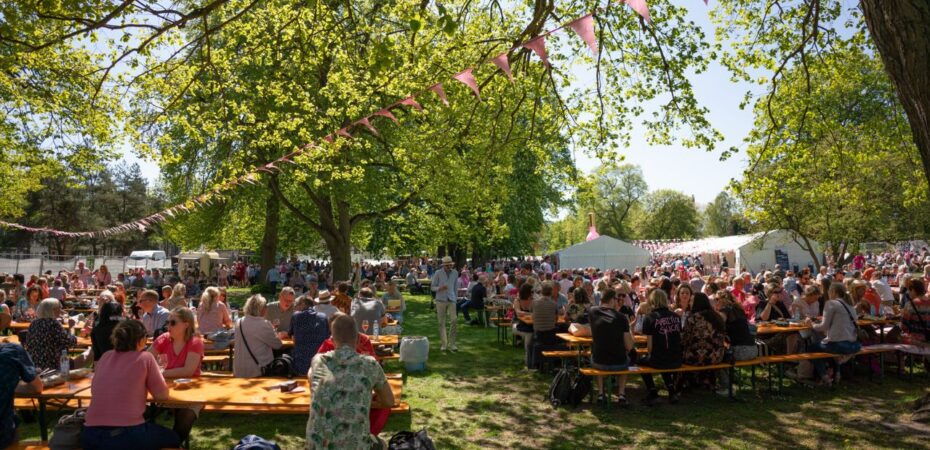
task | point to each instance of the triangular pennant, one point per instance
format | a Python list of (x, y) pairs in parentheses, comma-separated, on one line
[(328, 138), (344, 133), (538, 46), (640, 7), (584, 26), (386, 113), (503, 64), (409, 101), (468, 78), (367, 124), (437, 88)]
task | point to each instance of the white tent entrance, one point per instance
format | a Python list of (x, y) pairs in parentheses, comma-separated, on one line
[(604, 253)]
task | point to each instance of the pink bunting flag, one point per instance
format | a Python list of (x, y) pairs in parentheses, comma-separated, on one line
[(437, 88), (538, 46), (640, 7), (367, 124), (328, 138), (409, 101), (503, 64), (584, 27), (344, 133), (387, 113), (468, 78)]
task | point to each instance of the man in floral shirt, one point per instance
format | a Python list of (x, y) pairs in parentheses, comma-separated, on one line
[(341, 382)]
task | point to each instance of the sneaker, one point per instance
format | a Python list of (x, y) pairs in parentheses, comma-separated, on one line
[(651, 399), (455, 349), (602, 398), (674, 398), (723, 392), (442, 349)]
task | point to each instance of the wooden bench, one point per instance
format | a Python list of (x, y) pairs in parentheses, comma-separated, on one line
[(502, 325), (397, 387)]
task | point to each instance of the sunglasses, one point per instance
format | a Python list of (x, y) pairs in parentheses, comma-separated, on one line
[(172, 322), (778, 291)]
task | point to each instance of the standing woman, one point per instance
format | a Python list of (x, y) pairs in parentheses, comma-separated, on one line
[(47, 339), (122, 380), (222, 276), (212, 314), (180, 351)]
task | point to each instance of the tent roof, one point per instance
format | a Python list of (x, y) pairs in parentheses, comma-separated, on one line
[(198, 255), (713, 244), (603, 245)]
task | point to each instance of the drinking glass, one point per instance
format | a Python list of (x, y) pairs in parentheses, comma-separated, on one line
[(365, 326)]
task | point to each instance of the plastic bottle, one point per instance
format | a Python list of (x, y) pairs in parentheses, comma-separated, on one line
[(63, 363), (377, 329)]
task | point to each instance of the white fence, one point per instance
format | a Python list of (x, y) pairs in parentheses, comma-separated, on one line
[(34, 264)]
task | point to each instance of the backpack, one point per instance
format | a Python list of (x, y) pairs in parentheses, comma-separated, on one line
[(569, 387), (409, 440)]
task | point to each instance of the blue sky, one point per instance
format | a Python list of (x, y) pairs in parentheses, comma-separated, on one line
[(695, 172)]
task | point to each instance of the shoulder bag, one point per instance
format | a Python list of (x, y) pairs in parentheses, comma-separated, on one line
[(278, 367)]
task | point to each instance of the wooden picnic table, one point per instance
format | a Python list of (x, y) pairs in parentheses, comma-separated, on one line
[(64, 392), (255, 394), (771, 328), (584, 341), (528, 319)]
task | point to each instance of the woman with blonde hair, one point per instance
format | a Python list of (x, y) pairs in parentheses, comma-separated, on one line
[(178, 298), (103, 277), (212, 314), (179, 352)]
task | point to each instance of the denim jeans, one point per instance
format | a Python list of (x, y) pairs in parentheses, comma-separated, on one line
[(145, 436), (839, 348)]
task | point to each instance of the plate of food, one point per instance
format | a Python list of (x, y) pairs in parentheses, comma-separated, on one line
[(182, 383)]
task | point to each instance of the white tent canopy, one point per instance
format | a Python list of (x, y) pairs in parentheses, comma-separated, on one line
[(756, 252), (604, 253)]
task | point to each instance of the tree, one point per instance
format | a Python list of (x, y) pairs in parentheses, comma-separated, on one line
[(612, 193), (722, 217), (853, 175), (668, 214), (773, 37)]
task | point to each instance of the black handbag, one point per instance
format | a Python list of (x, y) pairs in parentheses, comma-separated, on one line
[(409, 440)]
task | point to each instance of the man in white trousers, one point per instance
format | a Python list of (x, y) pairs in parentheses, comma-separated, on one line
[(445, 285)]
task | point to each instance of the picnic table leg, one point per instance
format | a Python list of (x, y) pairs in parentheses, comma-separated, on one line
[(43, 426), (732, 370), (609, 389)]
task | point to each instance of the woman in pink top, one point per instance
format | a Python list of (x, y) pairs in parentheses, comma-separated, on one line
[(179, 352), (122, 378), (212, 314)]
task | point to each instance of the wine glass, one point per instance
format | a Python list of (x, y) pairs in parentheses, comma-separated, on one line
[(365, 326), (162, 361), (276, 323)]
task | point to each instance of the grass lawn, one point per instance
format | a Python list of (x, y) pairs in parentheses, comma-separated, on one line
[(482, 397)]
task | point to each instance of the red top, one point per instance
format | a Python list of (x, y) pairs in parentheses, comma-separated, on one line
[(363, 347), (164, 345)]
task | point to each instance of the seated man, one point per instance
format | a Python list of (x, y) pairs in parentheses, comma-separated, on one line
[(154, 316), (341, 383), (611, 340), (309, 329), (15, 365), (477, 294)]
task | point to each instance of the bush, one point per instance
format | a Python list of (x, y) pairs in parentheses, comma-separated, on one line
[(264, 289)]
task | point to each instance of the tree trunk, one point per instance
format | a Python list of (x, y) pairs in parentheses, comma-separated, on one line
[(340, 253), (900, 30), (269, 247)]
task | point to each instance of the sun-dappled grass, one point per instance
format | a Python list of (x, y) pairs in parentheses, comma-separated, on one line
[(482, 397)]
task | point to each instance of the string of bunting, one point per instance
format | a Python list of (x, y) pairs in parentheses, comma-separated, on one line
[(582, 26)]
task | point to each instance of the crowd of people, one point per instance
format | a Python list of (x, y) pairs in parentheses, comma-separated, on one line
[(156, 332), (150, 335)]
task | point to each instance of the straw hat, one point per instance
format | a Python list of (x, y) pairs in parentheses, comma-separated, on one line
[(324, 297), (447, 261)]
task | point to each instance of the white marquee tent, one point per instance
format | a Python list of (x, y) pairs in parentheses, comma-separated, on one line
[(756, 252), (604, 253)]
